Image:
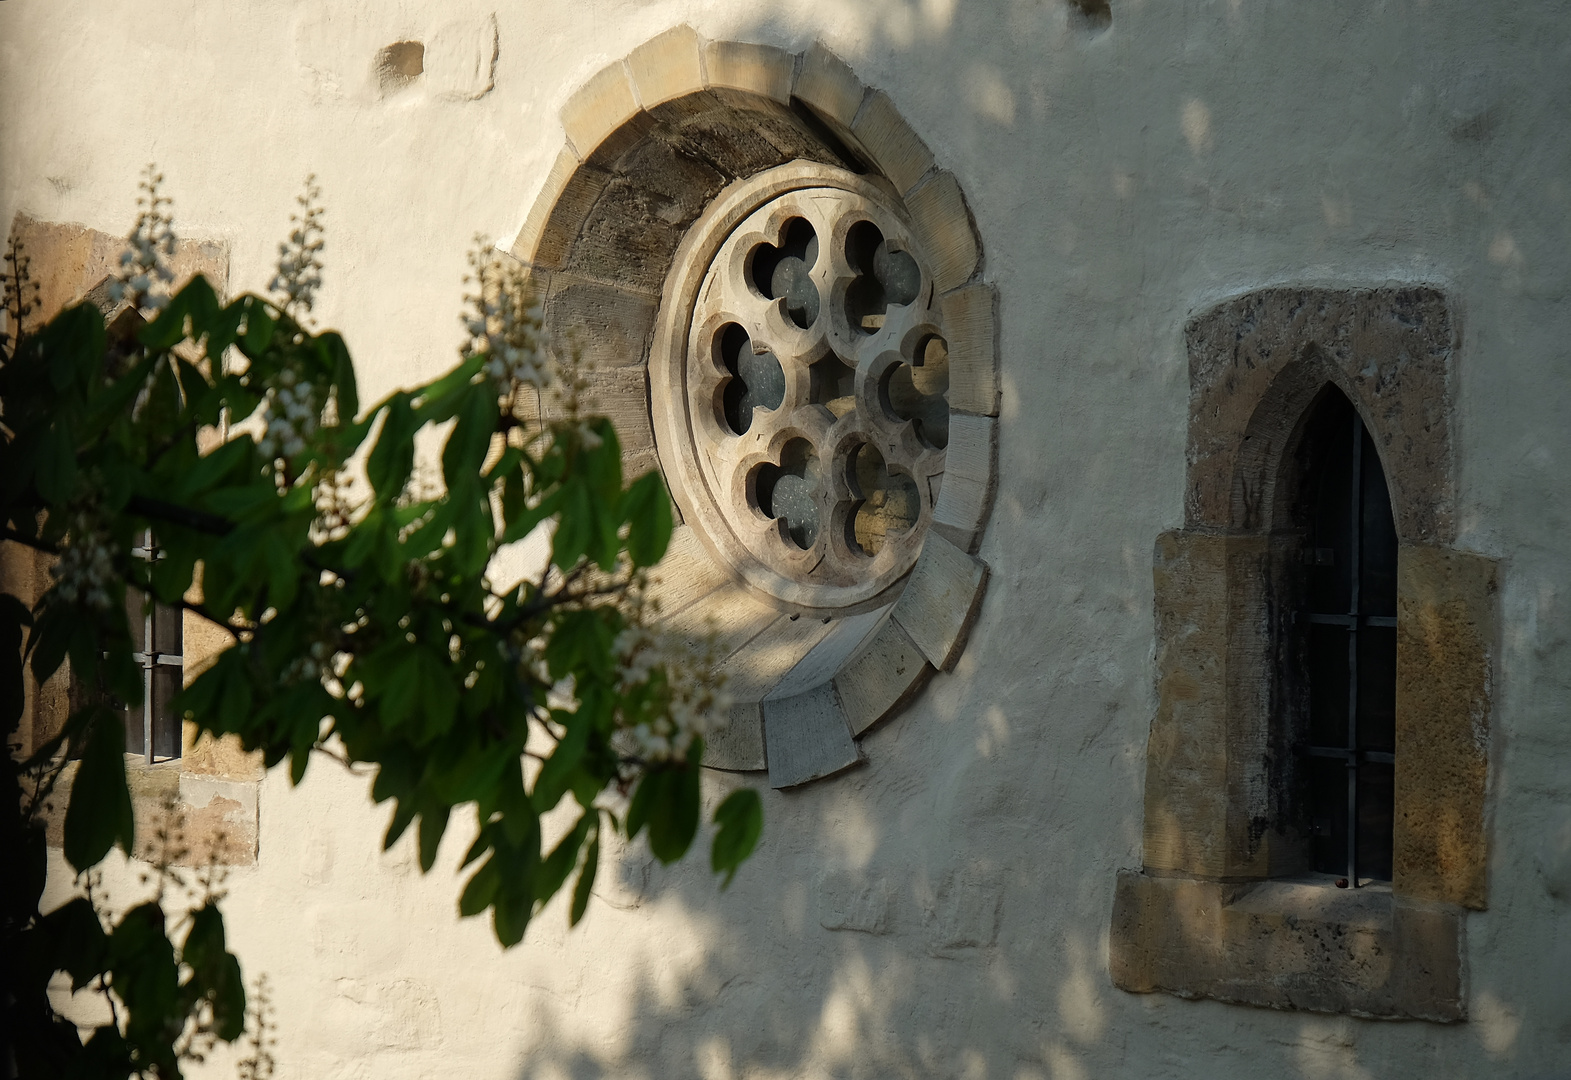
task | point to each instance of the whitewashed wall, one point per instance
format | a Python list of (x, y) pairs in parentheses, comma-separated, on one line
[(943, 912)]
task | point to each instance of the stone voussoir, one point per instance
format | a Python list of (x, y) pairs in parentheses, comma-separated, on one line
[(807, 738), (603, 106), (755, 69), (944, 222), (897, 150), (971, 332), (883, 674), (967, 494), (940, 599), (668, 66), (559, 211)]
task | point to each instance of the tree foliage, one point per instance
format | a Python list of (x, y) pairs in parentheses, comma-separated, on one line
[(352, 580)]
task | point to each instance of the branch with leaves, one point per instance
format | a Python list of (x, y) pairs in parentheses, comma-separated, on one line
[(355, 587)]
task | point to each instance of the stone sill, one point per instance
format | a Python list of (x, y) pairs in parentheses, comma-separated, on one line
[(1289, 944)]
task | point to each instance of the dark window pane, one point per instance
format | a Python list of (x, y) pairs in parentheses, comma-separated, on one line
[(167, 629), (1376, 804), (1377, 688), (136, 617), (166, 725), (1327, 782), (1328, 687), (1330, 581), (1377, 581), (134, 732)]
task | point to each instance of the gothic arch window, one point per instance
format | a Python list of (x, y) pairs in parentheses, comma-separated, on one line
[(1314, 829), (1346, 642)]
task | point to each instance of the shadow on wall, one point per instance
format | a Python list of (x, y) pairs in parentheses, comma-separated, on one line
[(944, 912)]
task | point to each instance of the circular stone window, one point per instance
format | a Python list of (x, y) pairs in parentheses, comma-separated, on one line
[(801, 401)]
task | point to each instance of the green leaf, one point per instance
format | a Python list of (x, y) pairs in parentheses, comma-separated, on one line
[(647, 510), (74, 344), (673, 812), (394, 454), (557, 773), (336, 353), (99, 815), (433, 823), (575, 527), (586, 880), (741, 822), (259, 326), (56, 466), (470, 438)]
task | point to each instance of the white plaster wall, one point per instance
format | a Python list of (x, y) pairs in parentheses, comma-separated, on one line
[(943, 912)]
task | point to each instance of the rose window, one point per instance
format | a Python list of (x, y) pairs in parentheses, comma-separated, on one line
[(814, 389)]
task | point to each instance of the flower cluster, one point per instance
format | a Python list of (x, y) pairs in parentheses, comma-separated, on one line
[(144, 277), (86, 569), (504, 322), (695, 701), (300, 257), (291, 412)]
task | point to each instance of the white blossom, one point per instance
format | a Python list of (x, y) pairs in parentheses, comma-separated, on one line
[(144, 276), (697, 705), (504, 322), (299, 273), (85, 571)]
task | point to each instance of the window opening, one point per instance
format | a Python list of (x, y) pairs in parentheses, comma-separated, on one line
[(1350, 652), (157, 638)]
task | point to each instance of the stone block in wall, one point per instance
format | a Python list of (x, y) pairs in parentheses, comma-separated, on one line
[(1186, 756), (1446, 629), (944, 223), (762, 70), (807, 738), (897, 150), (888, 671), (830, 89), (596, 324), (966, 496), (940, 600), (739, 745), (667, 66), (1287, 945), (602, 118), (971, 331), (559, 211)]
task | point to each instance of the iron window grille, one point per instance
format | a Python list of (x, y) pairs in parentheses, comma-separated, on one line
[(157, 636), (1350, 652)]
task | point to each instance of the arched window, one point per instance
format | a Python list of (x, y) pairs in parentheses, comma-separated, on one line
[(1323, 661), (1347, 647)]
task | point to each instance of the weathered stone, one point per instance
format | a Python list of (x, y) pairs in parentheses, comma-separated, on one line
[(603, 119), (1446, 626), (622, 395), (842, 637), (687, 573), (730, 617), (807, 738), (753, 69), (827, 86), (559, 211), (752, 673), (1287, 945), (884, 674), (967, 493), (739, 746), (67, 261), (940, 600), (667, 66), (944, 222), (599, 325), (1258, 361), (897, 150), (971, 332)]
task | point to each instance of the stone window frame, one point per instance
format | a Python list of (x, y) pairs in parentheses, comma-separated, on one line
[(1222, 907), (214, 785), (651, 141)]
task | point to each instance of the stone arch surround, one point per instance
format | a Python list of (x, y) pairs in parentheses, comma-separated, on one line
[(654, 140)]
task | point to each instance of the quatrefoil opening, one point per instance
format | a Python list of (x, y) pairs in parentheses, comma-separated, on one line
[(756, 380), (832, 384), (888, 503), (918, 391), (886, 277), (788, 492), (784, 272)]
